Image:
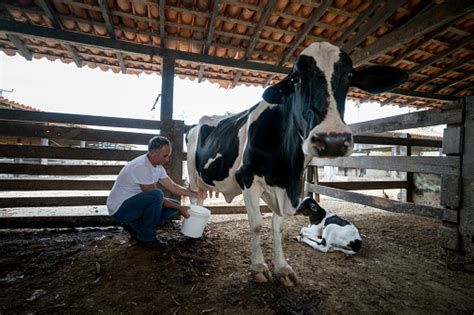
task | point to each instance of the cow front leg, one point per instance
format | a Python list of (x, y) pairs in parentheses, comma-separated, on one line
[(259, 268), (283, 271)]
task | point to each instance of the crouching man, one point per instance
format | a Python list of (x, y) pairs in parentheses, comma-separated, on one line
[(327, 231), (138, 204)]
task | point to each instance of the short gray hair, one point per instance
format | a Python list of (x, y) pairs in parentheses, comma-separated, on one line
[(157, 142)]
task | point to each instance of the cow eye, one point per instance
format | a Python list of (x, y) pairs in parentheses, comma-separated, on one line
[(295, 78)]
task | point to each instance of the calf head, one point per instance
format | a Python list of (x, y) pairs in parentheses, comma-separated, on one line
[(309, 207), (316, 90)]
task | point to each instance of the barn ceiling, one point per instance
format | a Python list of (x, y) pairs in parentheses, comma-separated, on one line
[(253, 42)]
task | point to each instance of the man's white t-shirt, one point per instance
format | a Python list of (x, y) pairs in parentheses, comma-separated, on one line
[(136, 172)]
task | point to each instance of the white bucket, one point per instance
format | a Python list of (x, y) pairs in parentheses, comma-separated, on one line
[(195, 224)]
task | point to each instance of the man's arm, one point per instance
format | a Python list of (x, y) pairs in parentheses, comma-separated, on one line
[(176, 189), (183, 210)]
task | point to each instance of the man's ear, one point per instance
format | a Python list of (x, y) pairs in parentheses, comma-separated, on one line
[(276, 94), (378, 79)]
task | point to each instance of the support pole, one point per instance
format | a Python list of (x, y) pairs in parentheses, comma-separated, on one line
[(457, 227), (167, 87), (466, 213)]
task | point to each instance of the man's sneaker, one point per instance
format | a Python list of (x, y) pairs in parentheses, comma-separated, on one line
[(130, 230), (156, 243)]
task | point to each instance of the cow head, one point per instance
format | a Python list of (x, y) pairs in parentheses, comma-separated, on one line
[(316, 90), (310, 208)]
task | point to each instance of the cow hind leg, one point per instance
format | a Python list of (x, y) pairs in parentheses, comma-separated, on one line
[(259, 268), (194, 187), (283, 271)]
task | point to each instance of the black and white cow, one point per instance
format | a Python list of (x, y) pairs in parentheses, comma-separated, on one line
[(326, 230), (261, 152)]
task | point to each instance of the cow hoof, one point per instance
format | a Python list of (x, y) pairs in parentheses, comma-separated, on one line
[(261, 273), (287, 277)]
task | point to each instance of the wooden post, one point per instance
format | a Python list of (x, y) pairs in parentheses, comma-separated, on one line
[(457, 229), (167, 87), (174, 131), (309, 177), (466, 213), (406, 195)]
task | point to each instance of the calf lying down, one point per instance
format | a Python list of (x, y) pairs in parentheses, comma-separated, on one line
[(327, 231)]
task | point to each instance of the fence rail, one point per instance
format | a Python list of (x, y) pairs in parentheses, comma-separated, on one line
[(374, 132)]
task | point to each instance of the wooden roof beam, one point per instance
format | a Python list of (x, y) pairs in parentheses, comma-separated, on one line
[(121, 63), (357, 23), (210, 35), (308, 26), (462, 89), (418, 45), (452, 82), (73, 53), (18, 28), (48, 10), (20, 46), (162, 23), (443, 72), (256, 35), (418, 94), (444, 54), (387, 10), (428, 21), (106, 15)]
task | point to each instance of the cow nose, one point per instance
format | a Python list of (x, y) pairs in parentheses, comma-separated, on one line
[(332, 144)]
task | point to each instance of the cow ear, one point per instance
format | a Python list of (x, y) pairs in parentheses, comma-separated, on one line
[(377, 79), (276, 94)]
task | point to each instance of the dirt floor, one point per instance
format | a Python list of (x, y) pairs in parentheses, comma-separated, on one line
[(399, 270)]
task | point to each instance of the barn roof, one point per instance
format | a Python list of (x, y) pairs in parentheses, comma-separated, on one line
[(253, 42)]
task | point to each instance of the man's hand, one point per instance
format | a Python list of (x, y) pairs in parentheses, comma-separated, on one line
[(201, 194), (184, 211)]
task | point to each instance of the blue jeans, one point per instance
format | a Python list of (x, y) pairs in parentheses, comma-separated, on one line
[(143, 212)]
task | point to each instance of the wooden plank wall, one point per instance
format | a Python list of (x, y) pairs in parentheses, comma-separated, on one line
[(372, 132)]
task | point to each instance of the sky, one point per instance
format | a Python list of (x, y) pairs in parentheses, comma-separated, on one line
[(53, 86)]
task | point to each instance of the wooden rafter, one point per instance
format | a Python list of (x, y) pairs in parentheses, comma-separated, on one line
[(73, 53), (361, 18), (108, 44), (121, 63), (48, 10), (426, 22), (443, 72), (162, 23), (308, 26), (210, 35), (20, 46), (447, 52), (380, 17), (106, 16), (418, 94), (410, 50), (452, 82), (256, 35)]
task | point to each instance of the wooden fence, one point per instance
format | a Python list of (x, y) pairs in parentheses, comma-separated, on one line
[(83, 153), (76, 142)]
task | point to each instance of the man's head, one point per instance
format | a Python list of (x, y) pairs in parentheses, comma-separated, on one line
[(159, 150)]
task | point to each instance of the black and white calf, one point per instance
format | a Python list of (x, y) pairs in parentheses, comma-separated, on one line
[(326, 230), (261, 152)]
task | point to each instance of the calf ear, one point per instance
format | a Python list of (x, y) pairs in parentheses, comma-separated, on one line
[(276, 94), (377, 79)]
